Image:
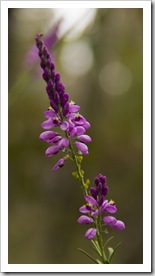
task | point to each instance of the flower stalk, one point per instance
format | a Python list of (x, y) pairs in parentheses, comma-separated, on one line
[(68, 135)]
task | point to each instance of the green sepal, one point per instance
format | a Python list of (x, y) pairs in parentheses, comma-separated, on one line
[(89, 256), (112, 252), (82, 172), (87, 183), (96, 247), (108, 241), (75, 174), (79, 158)]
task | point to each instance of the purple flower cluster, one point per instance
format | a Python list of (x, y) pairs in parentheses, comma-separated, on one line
[(97, 206), (62, 112)]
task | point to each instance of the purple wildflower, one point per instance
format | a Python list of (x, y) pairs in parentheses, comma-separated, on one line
[(97, 205), (59, 164), (91, 233), (50, 40), (62, 113)]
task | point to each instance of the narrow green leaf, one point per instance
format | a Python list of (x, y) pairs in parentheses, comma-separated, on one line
[(96, 247), (98, 261), (83, 251), (112, 252), (108, 241)]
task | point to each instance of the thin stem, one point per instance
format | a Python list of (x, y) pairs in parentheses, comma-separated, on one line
[(77, 165)]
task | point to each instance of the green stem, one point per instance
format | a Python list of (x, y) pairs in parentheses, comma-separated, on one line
[(77, 165), (99, 239)]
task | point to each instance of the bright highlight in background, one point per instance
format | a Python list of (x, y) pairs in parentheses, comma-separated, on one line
[(115, 78)]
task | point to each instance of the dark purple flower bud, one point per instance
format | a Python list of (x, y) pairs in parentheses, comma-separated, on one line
[(52, 66), (56, 98), (47, 135), (96, 181), (84, 138), (99, 187), (85, 209), (91, 233), (93, 192), (45, 77), (85, 220), (64, 99), (105, 190), (48, 124), (53, 105), (64, 142), (57, 77), (59, 164), (65, 109), (100, 200), (91, 200), (52, 150), (81, 147), (102, 178)]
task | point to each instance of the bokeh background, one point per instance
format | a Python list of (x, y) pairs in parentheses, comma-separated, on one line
[(99, 55)]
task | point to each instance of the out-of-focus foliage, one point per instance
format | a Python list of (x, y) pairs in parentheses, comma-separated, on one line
[(101, 67)]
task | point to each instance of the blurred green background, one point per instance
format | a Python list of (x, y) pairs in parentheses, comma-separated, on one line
[(99, 55)]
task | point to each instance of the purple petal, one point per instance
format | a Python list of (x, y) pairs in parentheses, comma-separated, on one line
[(59, 164), (85, 220), (91, 200), (82, 147), (64, 125), (64, 142), (79, 120), (52, 150), (108, 207), (85, 209), (91, 233), (84, 138), (110, 221), (103, 207), (49, 113), (55, 140), (119, 225), (94, 213), (48, 124), (111, 208), (47, 135), (72, 131), (86, 125), (74, 108), (93, 192), (80, 130)]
